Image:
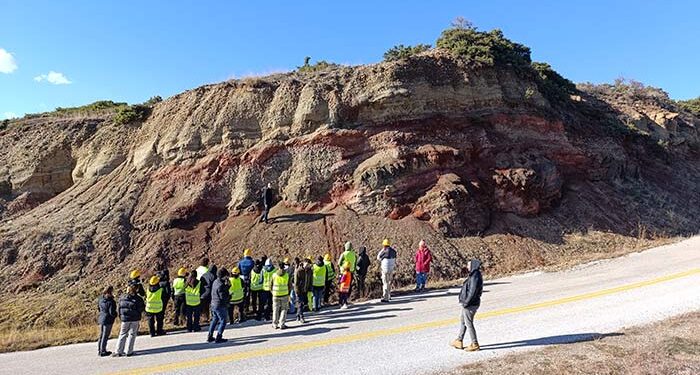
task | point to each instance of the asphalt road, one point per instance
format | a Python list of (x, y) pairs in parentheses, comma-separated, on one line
[(411, 334)]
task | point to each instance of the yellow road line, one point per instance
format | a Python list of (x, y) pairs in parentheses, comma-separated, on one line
[(394, 331)]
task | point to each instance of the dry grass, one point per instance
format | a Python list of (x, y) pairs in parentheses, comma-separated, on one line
[(668, 347)]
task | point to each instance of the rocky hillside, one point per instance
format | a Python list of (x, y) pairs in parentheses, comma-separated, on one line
[(476, 160)]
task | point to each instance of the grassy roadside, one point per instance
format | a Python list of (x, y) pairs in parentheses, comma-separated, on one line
[(668, 347)]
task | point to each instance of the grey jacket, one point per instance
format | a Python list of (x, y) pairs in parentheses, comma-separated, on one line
[(219, 293), (470, 295)]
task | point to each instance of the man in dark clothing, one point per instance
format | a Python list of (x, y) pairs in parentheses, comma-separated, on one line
[(207, 282), (164, 277), (245, 266), (470, 299), (266, 201), (107, 308), (363, 264), (220, 298), (135, 279), (131, 306), (300, 288)]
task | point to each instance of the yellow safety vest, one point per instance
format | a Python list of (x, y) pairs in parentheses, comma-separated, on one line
[(179, 286), (319, 275), (280, 285), (154, 301), (236, 289), (267, 280), (192, 295), (351, 258), (256, 281), (330, 272)]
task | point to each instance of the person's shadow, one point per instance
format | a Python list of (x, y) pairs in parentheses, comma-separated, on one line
[(551, 340), (297, 218)]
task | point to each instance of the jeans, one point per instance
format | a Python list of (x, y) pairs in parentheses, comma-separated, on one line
[(179, 308), (218, 320), (317, 297), (292, 299), (256, 303), (130, 330), (193, 313), (386, 285), (466, 322), (105, 331), (266, 211), (155, 323), (279, 310), (266, 304), (421, 279)]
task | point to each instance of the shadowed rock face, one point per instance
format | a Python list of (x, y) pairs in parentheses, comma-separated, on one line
[(434, 147)]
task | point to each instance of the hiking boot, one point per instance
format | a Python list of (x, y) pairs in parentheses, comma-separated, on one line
[(457, 344), (473, 347), (210, 338), (118, 354), (220, 339), (283, 326)]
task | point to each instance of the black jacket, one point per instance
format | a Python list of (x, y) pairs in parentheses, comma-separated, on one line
[(107, 307), (140, 291), (266, 197), (363, 263), (470, 295), (207, 283), (219, 293), (131, 307), (165, 283)]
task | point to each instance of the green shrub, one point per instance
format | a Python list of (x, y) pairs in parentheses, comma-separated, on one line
[(691, 105), (552, 84), (98, 106), (321, 65), (401, 52), (132, 113), (484, 48), (4, 124), (153, 100)]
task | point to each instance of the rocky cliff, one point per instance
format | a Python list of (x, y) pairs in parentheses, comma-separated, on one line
[(476, 161)]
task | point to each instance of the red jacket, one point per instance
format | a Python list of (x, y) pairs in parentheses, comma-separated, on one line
[(423, 259)]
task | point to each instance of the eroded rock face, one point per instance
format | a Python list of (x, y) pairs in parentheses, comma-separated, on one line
[(526, 184)]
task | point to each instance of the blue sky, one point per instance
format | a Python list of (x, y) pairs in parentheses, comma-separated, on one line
[(68, 53)]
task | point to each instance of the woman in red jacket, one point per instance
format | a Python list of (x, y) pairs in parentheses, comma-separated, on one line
[(423, 259)]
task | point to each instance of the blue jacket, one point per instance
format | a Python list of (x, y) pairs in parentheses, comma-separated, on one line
[(245, 266)]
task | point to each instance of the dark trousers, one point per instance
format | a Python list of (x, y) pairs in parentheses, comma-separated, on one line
[(155, 323), (302, 301), (317, 293), (328, 290), (256, 303), (246, 294), (266, 211), (179, 308), (231, 310), (361, 291), (343, 296), (105, 331), (266, 304), (193, 313), (204, 309)]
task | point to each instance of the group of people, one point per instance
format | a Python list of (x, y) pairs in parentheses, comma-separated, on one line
[(254, 287)]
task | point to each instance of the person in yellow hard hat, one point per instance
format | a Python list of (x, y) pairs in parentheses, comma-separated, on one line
[(330, 278), (237, 292), (135, 280), (179, 294), (156, 298)]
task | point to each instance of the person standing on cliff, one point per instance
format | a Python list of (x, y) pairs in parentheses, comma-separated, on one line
[(266, 201)]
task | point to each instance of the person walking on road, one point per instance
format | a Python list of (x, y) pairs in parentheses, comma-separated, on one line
[(318, 282), (107, 308), (300, 288), (423, 259), (179, 294), (363, 264), (193, 302), (131, 306), (470, 299), (207, 282), (156, 296), (266, 199), (344, 282), (387, 257), (237, 292), (281, 285), (330, 278), (256, 290), (220, 299), (268, 272), (245, 266)]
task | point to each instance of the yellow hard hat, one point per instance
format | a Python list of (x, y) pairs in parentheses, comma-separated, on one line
[(286, 260), (236, 271), (327, 257), (246, 252), (134, 274), (154, 280), (182, 271), (386, 242), (346, 266)]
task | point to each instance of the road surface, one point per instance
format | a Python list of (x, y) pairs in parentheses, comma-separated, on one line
[(411, 334)]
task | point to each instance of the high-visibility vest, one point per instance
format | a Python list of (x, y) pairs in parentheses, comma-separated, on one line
[(319, 275), (280, 285), (330, 272), (179, 286), (256, 281), (351, 258), (192, 295), (236, 289), (154, 301), (201, 270), (267, 280), (345, 284)]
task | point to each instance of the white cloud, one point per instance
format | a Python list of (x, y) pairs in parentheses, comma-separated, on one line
[(7, 62), (53, 78), (8, 115)]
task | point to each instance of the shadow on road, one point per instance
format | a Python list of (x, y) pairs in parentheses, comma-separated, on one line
[(551, 340)]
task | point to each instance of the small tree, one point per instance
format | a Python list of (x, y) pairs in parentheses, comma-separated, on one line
[(153, 100), (461, 23), (402, 52)]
